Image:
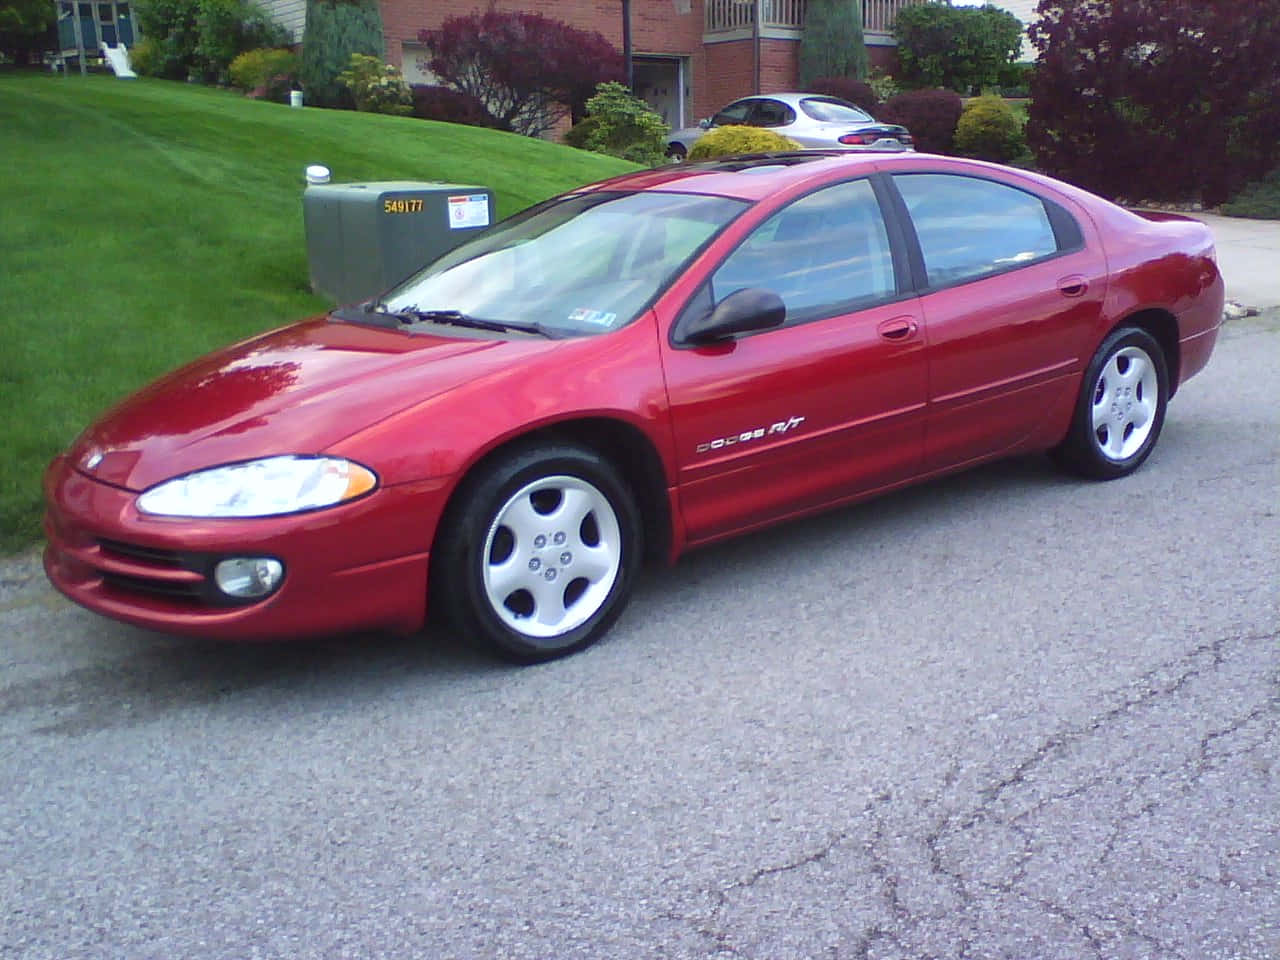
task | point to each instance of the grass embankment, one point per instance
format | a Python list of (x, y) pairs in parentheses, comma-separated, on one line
[(143, 223), (1257, 201)]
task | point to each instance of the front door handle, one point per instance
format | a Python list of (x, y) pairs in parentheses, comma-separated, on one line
[(899, 328)]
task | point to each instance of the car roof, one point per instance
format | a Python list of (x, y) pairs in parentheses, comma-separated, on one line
[(793, 99), (752, 177), (756, 176)]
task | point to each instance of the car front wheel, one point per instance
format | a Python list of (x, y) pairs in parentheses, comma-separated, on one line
[(539, 557), (1120, 409)]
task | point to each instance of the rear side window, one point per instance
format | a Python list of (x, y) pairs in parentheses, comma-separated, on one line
[(829, 110), (969, 228)]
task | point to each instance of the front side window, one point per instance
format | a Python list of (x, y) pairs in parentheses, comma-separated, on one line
[(733, 113), (581, 264), (969, 228), (826, 253)]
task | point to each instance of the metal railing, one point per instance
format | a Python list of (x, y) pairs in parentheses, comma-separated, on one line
[(738, 14), (725, 15), (878, 15)]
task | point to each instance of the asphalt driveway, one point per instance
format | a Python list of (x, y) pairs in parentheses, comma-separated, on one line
[(1249, 256)]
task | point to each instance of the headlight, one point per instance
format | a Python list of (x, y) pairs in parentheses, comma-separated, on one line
[(260, 488)]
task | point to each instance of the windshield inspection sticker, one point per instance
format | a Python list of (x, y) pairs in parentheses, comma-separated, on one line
[(597, 318), (467, 211)]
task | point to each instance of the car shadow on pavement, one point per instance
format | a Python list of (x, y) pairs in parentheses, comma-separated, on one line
[(932, 506), (122, 676)]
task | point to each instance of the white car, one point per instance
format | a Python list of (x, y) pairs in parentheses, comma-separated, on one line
[(810, 119)]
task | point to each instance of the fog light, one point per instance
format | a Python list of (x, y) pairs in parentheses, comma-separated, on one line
[(248, 577)]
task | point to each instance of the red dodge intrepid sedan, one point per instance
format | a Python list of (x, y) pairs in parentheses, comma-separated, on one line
[(638, 367)]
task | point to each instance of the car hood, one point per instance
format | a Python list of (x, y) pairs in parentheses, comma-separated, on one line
[(299, 389)]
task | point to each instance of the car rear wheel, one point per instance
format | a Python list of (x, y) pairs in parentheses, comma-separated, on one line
[(676, 152), (1121, 407), (539, 557)]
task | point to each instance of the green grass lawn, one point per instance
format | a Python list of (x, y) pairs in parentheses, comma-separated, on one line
[(143, 223)]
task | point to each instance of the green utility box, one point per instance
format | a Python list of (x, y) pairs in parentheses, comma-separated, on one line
[(363, 238)]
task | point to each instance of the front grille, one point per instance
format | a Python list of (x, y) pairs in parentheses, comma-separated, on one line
[(136, 569), (148, 555), (194, 593)]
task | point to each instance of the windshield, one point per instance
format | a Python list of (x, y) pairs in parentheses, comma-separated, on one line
[(833, 111), (579, 264)]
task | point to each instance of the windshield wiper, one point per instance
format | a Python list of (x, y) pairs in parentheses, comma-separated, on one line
[(457, 318)]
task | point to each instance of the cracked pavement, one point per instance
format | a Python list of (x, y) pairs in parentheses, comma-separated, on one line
[(1005, 715)]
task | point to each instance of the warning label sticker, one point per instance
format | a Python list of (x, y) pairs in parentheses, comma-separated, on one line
[(467, 211)]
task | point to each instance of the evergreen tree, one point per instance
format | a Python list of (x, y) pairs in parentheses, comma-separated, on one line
[(335, 30), (833, 44)]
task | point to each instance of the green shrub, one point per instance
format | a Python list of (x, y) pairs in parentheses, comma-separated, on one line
[(576, 136), (625, 126), (265, 73), (144, 57), (961, 48), (335, 30), (883, 85), (989, 129), (198, 39), (1259, 200), (733, 140), (170, 26), (227, 28), (1014, 81), (377, 87)]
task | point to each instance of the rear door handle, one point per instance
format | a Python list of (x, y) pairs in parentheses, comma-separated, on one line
[(899, 328), (1073, 286)]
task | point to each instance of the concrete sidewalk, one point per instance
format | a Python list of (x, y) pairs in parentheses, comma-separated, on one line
[(1249, 257)]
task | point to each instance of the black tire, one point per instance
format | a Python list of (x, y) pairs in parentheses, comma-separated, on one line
[(514, 567), (1117, 421), (676, 152)]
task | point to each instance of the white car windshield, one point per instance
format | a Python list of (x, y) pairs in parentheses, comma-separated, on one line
[(833, 111), (581, 264)]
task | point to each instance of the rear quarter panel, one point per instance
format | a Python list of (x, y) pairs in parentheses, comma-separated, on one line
[(1165, 262)]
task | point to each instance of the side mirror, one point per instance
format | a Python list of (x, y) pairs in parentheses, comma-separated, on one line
[(705, 123), (743, 311)]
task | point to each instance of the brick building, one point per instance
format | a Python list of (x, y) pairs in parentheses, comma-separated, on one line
[(691, 56)]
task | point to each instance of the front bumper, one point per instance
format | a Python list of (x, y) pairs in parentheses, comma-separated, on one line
[(361, 565)]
